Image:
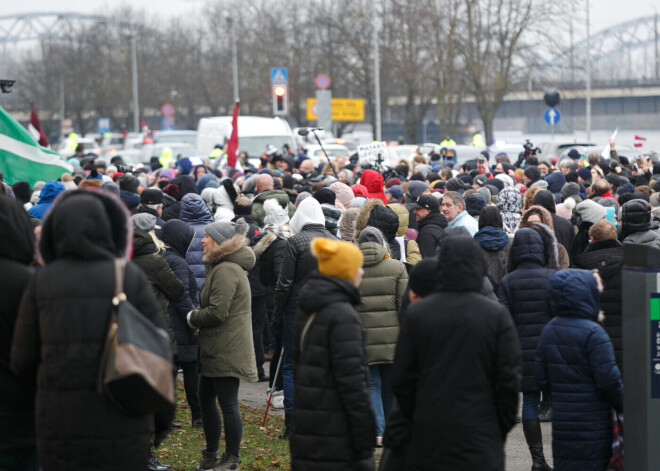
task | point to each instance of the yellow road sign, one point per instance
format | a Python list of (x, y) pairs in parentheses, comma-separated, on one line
[(343, 109)]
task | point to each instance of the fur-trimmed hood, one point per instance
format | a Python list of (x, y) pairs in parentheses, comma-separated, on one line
[(271, 233), (362, 219), (234, 250)]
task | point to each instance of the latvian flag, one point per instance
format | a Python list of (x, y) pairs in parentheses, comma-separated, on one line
[(639, 141), (22, 158)]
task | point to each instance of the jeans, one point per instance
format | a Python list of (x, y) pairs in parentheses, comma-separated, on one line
[(258, 325), (190, 384), (381, 394), (287, 367), (530, 406), (226, 391), (19, 461)]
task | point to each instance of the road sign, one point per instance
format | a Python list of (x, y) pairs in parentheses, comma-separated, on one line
[(322, 81), (368, 153), (167, 110), (343, 109), (279, 76), (167, 123), (552, 116), (103, 125)]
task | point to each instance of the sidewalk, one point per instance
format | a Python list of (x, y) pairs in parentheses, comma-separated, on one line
[(517, 453)]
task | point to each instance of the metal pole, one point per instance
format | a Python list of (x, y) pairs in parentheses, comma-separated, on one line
[(234, 58), (379, 136), (588, 76), (62, 105), (657, 54), (136, 106)]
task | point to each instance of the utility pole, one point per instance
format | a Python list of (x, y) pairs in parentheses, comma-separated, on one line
[(234, 54), (134, 73), (657, 54), (376, 27), (588, 111)]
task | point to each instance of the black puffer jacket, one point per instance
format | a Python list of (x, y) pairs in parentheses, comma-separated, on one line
[(16, 395), (171, 207), (459, 420), (386, 220), (178, 236), (525, 291), (165, 284), (60, 333), (298, 264), (637, 226), (581, 240), (607, 257), (431, 229), (332, 381), (269, 250)]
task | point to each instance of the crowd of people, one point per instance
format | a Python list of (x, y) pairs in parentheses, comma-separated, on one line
[(412, 305)]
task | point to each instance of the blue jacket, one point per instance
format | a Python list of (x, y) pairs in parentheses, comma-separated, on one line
[(463, 219), (575, 358), (49, 192), (525, 291), (195, 213), (178, 236)]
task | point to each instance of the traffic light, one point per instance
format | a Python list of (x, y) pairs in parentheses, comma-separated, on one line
[(280, 100)]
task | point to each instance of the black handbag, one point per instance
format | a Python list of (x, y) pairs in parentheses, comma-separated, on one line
[(136, 365)]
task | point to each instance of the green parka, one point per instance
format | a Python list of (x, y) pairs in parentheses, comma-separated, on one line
[(258, 212), (224, 317), (383, 285)]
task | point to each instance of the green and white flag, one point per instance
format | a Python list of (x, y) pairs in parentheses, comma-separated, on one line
[(22, 158)]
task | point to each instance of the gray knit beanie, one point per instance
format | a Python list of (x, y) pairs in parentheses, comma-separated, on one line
[(570, 189), (221, 231), (591, 212)]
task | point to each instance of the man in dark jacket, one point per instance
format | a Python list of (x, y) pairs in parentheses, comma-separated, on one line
[(605, 254), (524, 290), (334, 426), (178, 236), (297, 265), (575, 359), (151, 202), (17, 442), (459, 421), (430, 224), (563, 227), (637, 226)]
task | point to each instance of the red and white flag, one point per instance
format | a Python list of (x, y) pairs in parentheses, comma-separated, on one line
[(232, 144), (35, 128), (639, 141)]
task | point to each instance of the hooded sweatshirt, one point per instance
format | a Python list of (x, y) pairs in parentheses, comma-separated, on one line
[(373, 181), (49, 192)]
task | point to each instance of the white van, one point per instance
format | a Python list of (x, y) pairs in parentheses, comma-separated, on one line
[(254, 135)]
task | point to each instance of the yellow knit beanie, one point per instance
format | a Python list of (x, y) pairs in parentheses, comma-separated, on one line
[(337, 258)]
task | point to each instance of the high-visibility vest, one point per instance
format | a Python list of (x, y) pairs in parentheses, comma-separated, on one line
[(448, 143), (478, 140), (166, 157), (73, 141), (215, 153)]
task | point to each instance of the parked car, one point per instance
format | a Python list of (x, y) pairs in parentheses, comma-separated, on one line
[(189, 137), (315, 152)]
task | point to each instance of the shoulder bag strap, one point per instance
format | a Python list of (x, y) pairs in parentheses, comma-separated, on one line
[(308, 324), (120, 266)]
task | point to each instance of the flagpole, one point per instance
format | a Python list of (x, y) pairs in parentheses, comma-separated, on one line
[(136, 106)]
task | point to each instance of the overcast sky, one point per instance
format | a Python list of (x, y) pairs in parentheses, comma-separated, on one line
[(604, 13)]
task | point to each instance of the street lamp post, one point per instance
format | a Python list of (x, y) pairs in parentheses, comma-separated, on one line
[(588, 111), (234, 55), (136, 105), (377, 121)]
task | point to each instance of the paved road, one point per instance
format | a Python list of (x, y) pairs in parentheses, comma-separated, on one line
[(517, 453)]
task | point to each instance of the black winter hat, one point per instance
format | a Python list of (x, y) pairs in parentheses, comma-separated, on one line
[(129, 183), (424, 276), (474, 204), (497, 183), (546, 199), (325, 195), (455, 184), (151, 196), (533, 173)]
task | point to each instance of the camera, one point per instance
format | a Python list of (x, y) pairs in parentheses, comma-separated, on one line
[(5, 85), (530, 149)]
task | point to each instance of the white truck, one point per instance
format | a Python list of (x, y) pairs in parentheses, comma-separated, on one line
[(254, 135)]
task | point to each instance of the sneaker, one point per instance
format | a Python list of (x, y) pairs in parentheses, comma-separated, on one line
[(379, 442), (209, 461), (277, 402), (153, 464), (228, 462)]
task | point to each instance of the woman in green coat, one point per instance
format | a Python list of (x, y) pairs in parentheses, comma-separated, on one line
[(382, 288), (226, 354)]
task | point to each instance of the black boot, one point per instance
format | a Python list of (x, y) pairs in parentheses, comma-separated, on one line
[(534, 438), (288, 422)]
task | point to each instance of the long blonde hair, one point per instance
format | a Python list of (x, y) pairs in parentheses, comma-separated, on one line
[(160, 245)]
